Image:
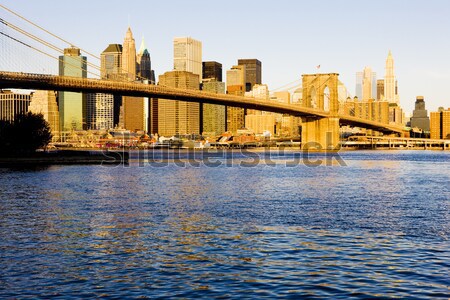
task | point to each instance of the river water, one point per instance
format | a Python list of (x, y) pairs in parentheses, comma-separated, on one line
[(365, 224)]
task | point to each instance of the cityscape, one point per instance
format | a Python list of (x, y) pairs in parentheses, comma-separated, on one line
[(224, 150)]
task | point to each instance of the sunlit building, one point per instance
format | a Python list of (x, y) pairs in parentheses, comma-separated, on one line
[(111, 68), (72, 106), (235, 86), (253, 72), (390, 83), (13, 103), (187, 55), (100, 111), (440, 124), (366, 84), (214, 116), (44, 102), (178, 117), (420, 117)]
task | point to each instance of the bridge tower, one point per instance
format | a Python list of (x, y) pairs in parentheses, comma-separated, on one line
[(320, 91)]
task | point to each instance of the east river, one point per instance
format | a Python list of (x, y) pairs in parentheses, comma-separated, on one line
[(367, 224)]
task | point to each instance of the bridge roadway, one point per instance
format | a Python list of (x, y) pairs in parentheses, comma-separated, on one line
[(20, 80)]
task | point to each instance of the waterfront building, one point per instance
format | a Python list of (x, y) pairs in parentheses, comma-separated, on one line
[(440, 124), (370, 110), (235, 86), (111, 68), (45, 103), (253, 72), (260, 123), (420, 118), (72, 106), (214, 116), (178, 117), (13, 103), (212, 70), (100, 111), (187, 55)]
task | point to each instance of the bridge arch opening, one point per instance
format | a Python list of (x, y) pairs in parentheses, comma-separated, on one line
[(326, 98), (313, 98)]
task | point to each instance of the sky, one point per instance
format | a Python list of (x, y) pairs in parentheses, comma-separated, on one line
[(289, 37)]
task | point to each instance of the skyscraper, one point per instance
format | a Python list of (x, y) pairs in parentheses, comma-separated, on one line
[(236, 86), (213, 117), (420, 118), (144, 65), (187, 55), (178, 117), (111, 68), (390, 90), (133, 108), (380, 89), (99, 111), (72, 106), (366, 84), (212, 70), (253, 72), (129, 56)]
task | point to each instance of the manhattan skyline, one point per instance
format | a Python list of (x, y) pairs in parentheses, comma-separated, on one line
[(289, 38)]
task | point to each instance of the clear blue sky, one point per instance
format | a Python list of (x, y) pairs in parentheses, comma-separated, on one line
[(289, 37)]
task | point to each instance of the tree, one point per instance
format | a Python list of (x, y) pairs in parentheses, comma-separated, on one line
[(25, 135)]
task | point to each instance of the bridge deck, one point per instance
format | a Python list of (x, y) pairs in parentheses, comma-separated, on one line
[(88, 85)]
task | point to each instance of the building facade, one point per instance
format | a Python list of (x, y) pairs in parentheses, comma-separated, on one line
[(187, 55), (390, 84), (44, 102), (72, 106), (13, 103), (111, 68), (366, 84), (420, 117), (178, 117), (235, 86), (212, 70), (214, 116), (253, 72), (100, 111), (440, 124)]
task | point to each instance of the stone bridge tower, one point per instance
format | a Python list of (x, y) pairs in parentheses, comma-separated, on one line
[(320, 91)]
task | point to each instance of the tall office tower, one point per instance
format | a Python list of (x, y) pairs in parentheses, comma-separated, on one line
[(111, 68), (253, 72), (390, 84), (236, 86), (366, 84), (420, 118), (144, 65), (133, 108), (12, 104), (380, 89), (214, 116), (358, 86), (72, 106), (44, 102), (187, 55), (212, 70), (178, 117), (99, 111), (440, 124), (129, 56)]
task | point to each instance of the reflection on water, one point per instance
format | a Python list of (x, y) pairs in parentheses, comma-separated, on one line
[(378, 227)]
